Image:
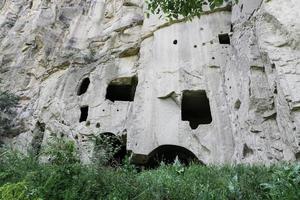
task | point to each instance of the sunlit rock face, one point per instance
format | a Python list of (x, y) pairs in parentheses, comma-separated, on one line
[(223, 88)]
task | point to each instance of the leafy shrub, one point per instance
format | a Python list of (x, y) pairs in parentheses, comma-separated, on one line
[(284, 183), (109, 150), (61, 152), (14, 191), (64, 177)]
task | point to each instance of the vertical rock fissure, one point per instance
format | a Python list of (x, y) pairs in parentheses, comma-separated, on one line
[(84, 113)]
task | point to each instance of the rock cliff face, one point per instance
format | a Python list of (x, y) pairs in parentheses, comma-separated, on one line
[(224, 88)]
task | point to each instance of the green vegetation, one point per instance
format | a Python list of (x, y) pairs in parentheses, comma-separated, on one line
[(173, 9), (64, 177), (8, 102)]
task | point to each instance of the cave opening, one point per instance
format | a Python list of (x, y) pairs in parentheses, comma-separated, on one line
[(195, 108), (168, 154), (122, 89), (224, 38), (83, 86), (84, 113)]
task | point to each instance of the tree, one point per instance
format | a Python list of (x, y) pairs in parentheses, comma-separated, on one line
[(173, 9)]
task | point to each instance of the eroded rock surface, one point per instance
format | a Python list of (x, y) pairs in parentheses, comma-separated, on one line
[(89, 67)]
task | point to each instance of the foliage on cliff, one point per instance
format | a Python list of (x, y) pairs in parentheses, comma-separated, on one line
[(64, 177), (8, 102), (173, 9)]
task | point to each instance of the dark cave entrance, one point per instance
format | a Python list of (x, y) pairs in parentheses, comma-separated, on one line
[(122, 89), (168, 154), (84, 113), (83, 86), (195, 108), (224, 38)]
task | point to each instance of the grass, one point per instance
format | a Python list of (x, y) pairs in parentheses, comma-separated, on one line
[(64, 177)]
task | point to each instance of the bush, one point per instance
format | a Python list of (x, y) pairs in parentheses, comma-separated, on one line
[(14, 191), (64, 177), (284, 183)]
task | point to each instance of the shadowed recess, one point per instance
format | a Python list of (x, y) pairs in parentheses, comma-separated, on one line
[(84, 113), (83, 86), (224, 38), (195, 108), (168, 154), (122, 89)]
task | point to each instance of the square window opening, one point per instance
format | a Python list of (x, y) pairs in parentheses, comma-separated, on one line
[(195, 108), (122, 89), (224, 38)]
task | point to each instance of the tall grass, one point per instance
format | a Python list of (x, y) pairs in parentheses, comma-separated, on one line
[(64, 177)]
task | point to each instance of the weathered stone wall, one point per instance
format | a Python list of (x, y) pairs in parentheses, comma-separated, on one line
[(48, 47), (265, 80)]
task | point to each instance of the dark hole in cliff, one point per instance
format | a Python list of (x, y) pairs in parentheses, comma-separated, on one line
[(30, 4), (175, 42), (98, 125), (224, 38), (195, 108), (83, 86), (84, 113), (112, 147), (38, 136), (122, 89), (237, 104), (297, 155), (273, 66), (275, 91), (247, 151), (170, 153)]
